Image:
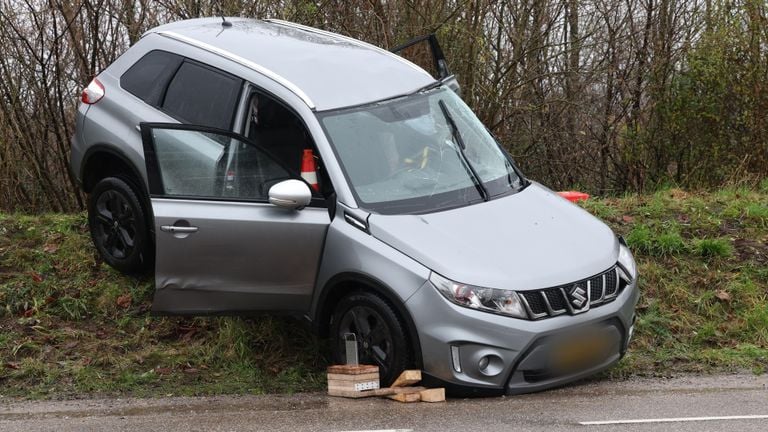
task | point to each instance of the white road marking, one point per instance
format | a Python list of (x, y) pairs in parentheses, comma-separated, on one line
[(673, 420)]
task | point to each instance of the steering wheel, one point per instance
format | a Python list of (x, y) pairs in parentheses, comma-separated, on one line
[(400, 171)]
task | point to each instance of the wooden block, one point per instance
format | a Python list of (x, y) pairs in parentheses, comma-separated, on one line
[(347, 393), (406, 397), (352, 369), (360, 377), (408, 377), (387, 391), (354, 385), (433, 395)]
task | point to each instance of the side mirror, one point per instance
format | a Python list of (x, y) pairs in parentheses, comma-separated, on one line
[(290, 194)]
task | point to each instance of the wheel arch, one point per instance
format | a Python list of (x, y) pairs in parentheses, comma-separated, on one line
[(344, 283), (102, 160)]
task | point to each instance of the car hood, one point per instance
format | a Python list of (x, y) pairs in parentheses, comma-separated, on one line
[(528, 240)]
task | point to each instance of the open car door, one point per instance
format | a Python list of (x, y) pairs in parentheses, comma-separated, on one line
[(221, 247), (425, 52)]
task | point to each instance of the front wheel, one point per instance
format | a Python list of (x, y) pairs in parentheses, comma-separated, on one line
[(381, 336), (118, 226)]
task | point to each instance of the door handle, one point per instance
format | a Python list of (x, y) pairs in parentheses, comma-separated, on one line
[(178, 229)]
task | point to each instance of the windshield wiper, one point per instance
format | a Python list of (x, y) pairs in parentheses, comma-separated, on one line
[(462, 147)]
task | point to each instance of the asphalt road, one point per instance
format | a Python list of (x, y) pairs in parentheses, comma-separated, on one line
[(673, 401)]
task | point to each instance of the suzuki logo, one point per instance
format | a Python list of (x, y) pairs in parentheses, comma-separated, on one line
[(578, 296)]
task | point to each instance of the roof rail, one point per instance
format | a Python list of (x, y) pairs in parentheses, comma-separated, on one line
[(293, 88)]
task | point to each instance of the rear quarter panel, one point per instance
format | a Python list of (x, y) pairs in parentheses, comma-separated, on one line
[(113, 121)]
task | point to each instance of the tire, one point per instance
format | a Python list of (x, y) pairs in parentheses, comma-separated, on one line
[(118, 224), (381, 336)]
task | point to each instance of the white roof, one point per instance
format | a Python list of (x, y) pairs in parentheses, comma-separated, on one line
[(327, 70)]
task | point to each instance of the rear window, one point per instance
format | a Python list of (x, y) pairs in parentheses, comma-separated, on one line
[(148, 77), (202, 96)]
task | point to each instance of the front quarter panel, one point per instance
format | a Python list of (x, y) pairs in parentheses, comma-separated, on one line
[(350, 253)]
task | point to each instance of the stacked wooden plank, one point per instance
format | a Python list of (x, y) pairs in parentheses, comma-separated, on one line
[(352, 380), (358, 381)]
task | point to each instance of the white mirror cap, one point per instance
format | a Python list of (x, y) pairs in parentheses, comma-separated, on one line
[(290, 194)]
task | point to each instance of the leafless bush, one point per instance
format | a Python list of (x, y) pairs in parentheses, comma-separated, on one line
[(608, 95)]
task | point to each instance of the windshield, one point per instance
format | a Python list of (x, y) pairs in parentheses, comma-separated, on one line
[(421, 153)]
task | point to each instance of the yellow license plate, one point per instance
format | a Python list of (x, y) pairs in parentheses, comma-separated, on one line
[(581, 352)]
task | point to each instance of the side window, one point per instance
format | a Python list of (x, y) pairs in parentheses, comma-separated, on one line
[(277, 129), (195, 163), (202, 96), (149, 76)]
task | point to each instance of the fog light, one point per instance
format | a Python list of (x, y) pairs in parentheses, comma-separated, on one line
[(483, 363), (455, 358), (490, 365)]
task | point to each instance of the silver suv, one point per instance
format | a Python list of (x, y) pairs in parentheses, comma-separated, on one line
[(260, 165)]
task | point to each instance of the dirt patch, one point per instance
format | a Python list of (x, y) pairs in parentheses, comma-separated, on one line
[(751, 250), (730, 226)]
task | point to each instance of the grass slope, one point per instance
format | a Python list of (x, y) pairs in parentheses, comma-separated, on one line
[(70, 325), (703, 262)]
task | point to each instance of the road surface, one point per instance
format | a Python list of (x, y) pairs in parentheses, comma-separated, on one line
[(690, 403)]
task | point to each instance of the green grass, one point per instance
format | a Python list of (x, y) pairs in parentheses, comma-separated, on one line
[(703, 261), (70, 325), (711, 248)]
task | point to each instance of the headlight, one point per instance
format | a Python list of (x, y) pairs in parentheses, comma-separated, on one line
[(626, 261), (498, 301)]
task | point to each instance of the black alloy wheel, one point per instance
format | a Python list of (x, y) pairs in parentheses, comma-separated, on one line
[(381, 338), (118, 225), (115, 224)]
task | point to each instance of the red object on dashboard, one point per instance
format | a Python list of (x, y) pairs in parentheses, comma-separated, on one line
[(574, 196)]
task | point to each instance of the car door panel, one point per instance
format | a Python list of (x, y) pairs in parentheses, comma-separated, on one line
[(220, 246), (243, 256)]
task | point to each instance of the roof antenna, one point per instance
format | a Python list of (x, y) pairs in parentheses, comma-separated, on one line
[(224, 22)]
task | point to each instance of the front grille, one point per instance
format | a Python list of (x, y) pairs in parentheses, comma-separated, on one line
[(610, 284), (555, 298), (572, 298)]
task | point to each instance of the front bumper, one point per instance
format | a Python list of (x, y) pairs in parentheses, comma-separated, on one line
[(498, 353)]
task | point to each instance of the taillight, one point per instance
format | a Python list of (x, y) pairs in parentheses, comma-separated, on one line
[(93, 93)]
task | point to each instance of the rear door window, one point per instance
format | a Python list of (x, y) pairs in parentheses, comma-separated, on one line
[(203, 96), (149, 76)]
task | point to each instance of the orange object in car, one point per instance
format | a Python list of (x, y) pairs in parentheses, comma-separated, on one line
[(309, 169)]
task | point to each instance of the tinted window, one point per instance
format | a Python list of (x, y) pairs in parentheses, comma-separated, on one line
[(201, 96), (147, 78), (209, 165)]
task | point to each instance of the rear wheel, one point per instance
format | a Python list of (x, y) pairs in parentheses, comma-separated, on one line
[(118, 225), (380, 334)]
